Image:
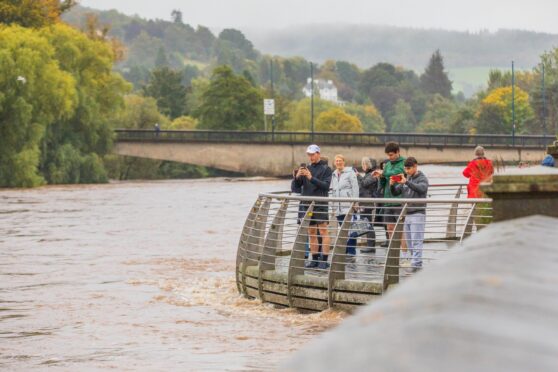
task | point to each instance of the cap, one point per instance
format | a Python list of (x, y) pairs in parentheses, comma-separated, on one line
[(312, 149)]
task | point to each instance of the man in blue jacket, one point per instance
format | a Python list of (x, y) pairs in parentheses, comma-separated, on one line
[(314, 180)]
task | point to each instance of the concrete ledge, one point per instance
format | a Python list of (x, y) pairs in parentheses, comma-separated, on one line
[(491, 305)]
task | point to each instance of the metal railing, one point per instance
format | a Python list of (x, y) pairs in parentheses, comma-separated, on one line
[(363, 261), (355, 139)]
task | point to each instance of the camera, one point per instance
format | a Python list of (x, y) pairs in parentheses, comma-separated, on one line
[(303, 165)]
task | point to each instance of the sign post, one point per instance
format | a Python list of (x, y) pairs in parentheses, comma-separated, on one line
[(269, 109)]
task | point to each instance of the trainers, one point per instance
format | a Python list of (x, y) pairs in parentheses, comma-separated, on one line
[(311, 264), (404, 263), (384, 244), (323, 265), (414, 269)]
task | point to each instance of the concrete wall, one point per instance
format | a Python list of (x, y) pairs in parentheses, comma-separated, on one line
[(279, 159)]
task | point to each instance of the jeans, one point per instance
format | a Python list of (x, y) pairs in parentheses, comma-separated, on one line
[(414, 234), (351, 242)]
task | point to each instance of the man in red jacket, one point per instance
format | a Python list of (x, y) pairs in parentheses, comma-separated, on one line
[(478, 170)]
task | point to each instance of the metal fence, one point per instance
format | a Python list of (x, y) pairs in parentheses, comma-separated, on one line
[(355, 139), (273, 252)]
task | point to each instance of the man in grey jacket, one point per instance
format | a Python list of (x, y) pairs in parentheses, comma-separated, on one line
[(413, 185)]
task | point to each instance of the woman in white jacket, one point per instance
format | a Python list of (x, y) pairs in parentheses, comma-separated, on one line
[(344, 184)]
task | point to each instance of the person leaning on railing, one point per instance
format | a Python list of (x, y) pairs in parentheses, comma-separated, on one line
[(314, 179), (414, 185), (478, 170), (369, 187), (393, 168), (344, 184)]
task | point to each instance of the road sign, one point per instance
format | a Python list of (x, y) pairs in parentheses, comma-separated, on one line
[(269, 106)]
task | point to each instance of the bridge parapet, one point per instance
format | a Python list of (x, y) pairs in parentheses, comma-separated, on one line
[(335, 138)]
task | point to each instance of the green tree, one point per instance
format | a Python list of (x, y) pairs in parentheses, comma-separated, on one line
[(183, 122), (89, 130), (495, 111), (435, 79), (300, 116), (230, 102), (337, 120), (33, 13), (34, 92), (439, 115), (161, 60), (166, 87), (403, 120), (139, 113), (371, 119)]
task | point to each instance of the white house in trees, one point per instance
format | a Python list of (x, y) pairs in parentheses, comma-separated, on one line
[(326, 89)]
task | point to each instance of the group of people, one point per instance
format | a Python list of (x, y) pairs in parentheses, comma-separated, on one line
[(395, 177)]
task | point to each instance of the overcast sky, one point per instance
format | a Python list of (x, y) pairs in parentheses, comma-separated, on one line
[(472, 15)]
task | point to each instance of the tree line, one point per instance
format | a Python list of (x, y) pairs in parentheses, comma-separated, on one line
[(63, 90)]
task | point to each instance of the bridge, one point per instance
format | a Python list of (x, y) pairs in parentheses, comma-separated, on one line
[(276, 154)]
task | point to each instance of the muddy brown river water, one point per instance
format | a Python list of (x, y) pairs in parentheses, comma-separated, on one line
[(138, 276)]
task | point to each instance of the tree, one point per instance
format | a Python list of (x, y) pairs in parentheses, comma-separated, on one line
[(177, 16), (300, 116), (34, 92), (183, 122), (161, 59), (230, 102), (87, 133), (435, 79), (371, 119), (166, 87), (495, 111), (139, 113), (439, 115), (337, 120), (403, 120), (33, 13)]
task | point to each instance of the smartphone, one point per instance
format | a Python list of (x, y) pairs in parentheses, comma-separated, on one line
[(396, 178), (303, 165)]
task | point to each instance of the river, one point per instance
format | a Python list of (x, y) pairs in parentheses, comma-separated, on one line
[(140, 276)]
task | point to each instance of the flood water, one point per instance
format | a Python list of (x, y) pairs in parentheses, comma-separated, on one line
[(139, 276)]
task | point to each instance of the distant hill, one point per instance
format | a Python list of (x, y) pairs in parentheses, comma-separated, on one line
[(367, 45)]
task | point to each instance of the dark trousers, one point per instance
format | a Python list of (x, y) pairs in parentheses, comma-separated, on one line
[(351, 242)]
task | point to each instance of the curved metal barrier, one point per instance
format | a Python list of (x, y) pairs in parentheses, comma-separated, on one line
[(275, 240)]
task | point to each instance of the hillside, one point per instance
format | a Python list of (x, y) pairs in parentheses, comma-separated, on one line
[(367, 45)]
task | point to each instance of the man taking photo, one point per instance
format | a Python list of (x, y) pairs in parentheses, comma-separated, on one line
[(313, 179)]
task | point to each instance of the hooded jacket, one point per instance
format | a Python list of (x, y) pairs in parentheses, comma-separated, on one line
[(477, 171), (318, 185), (344, 184), (369, 186), (416, 187), (391, 168)]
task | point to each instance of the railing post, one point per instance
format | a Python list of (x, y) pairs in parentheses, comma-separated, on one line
[(469, 222), (273, 243), (241, 252), (451, 228), (339, 254), (391, 269), (296, 263)]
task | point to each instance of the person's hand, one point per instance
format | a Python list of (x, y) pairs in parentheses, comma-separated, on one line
[(308, 174), (391, 181), (302, 172), (403, 180), (377, 173)]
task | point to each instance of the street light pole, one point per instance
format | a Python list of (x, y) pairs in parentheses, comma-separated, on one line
[(543, 102), (312, 100), (513, 106), (272, 97)]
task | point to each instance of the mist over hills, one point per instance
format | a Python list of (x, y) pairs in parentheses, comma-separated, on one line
[(367, 45)]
